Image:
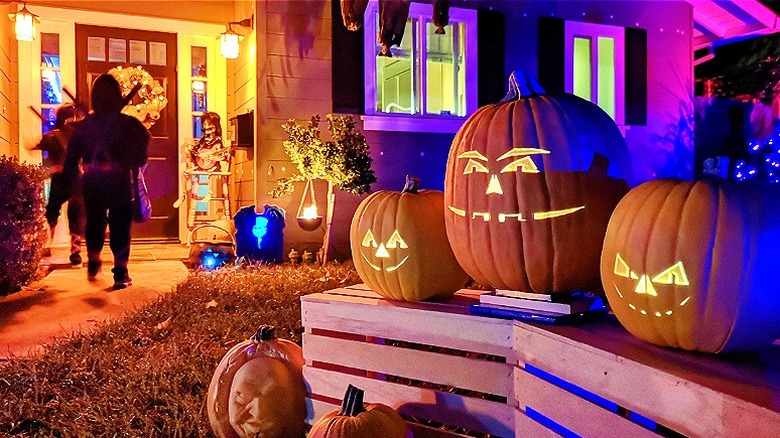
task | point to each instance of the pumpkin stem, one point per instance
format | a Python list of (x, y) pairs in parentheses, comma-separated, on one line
[(353, 402), (412, 185), (264, 333), (522, 85)]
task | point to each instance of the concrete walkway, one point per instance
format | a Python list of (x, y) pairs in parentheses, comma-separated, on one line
[(64, 301)]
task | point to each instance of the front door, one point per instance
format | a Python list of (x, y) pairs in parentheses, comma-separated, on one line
[(99, 49)]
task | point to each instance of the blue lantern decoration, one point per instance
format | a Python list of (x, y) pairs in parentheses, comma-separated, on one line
[(211, 254), (259, 236), (213, 258)]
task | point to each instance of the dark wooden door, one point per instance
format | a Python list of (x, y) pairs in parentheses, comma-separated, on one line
[(99, 49)]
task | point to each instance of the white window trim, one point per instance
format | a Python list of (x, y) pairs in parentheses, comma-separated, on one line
[(378, 121), (589, 30)]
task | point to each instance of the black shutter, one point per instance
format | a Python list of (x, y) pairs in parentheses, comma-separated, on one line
[(636, 76), (491, 53), (550, 50), (347, 72)]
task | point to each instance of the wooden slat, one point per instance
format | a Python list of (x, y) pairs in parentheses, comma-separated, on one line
[(310, 8), (294, 67), (380, 319), (442, 369), (680, 404), (447, 408), (294, 88), (298, 26), (290, 45), (527, 427), (458, 303), (572, 412), (317, 408)]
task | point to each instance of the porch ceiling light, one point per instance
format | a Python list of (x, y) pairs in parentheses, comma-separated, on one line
[(229, 39), (25, 23)]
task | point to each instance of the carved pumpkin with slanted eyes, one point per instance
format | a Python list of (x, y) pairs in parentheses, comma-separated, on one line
[(399, 245), (693, 265), (531, 182)]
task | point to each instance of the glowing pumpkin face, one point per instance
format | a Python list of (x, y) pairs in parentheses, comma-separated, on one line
[(693, 264), (517, 160), (649, 287), (381, 255), (400, 248), (530, 185)]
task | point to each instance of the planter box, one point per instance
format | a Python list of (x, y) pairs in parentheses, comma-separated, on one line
[(435, 362)]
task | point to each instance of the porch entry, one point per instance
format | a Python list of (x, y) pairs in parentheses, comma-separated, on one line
[(99, 49)]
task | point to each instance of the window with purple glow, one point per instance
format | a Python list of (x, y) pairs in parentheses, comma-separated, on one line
[(430, 82)]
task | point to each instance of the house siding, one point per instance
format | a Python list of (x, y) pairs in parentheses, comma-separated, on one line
[(9, 125), (293, 82), (242, 85)]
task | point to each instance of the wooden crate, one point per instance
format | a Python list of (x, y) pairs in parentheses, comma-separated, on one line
[(351, 336), (598, 380), (595, 380)]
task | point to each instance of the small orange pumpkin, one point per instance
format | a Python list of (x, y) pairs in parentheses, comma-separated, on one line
[(358, 420), (400, 247), (258, 390)]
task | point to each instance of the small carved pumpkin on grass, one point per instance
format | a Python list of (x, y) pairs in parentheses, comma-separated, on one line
[(358, 420), (400, 247), (693, 264), (530, 185), (258, 390)]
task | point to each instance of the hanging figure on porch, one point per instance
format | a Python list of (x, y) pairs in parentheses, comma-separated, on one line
[(109, 145), (208, 157), (55, 143)]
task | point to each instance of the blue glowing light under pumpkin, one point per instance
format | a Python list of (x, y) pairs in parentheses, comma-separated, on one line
[(212, 259), (259, 236)]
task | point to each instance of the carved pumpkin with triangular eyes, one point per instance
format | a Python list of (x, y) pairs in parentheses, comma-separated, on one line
[(693, 265), (531, 182), (400, 248)]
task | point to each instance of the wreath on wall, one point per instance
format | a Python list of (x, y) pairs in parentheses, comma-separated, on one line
[(149, 101)]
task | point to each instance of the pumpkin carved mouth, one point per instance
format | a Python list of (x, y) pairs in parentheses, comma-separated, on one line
[(503, 217), (674, 274), (379, 268)]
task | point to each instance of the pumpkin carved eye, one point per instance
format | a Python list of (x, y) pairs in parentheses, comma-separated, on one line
[(474, 166), (396, 241), (368, 240), (525, 165)]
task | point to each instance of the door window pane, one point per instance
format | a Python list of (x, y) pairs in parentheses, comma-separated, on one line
[(51, 82), (395, 81), (445, 70)]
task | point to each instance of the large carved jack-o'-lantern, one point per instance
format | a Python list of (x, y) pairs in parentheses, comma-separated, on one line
[(399, 245), (693, 265), (531, 182)]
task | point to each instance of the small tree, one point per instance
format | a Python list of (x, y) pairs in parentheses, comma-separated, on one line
[(344, 162)]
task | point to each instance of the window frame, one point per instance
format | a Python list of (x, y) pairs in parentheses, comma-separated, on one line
[(578, 29), (422, 121)]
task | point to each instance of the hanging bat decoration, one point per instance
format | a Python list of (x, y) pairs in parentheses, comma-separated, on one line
[(441, 15), (392, 22), (352, 11)]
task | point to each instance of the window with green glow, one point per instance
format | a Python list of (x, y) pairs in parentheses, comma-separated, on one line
[(606, 72), (582, 68)]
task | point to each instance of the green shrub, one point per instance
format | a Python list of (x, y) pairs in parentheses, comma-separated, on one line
[(22, 230)]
